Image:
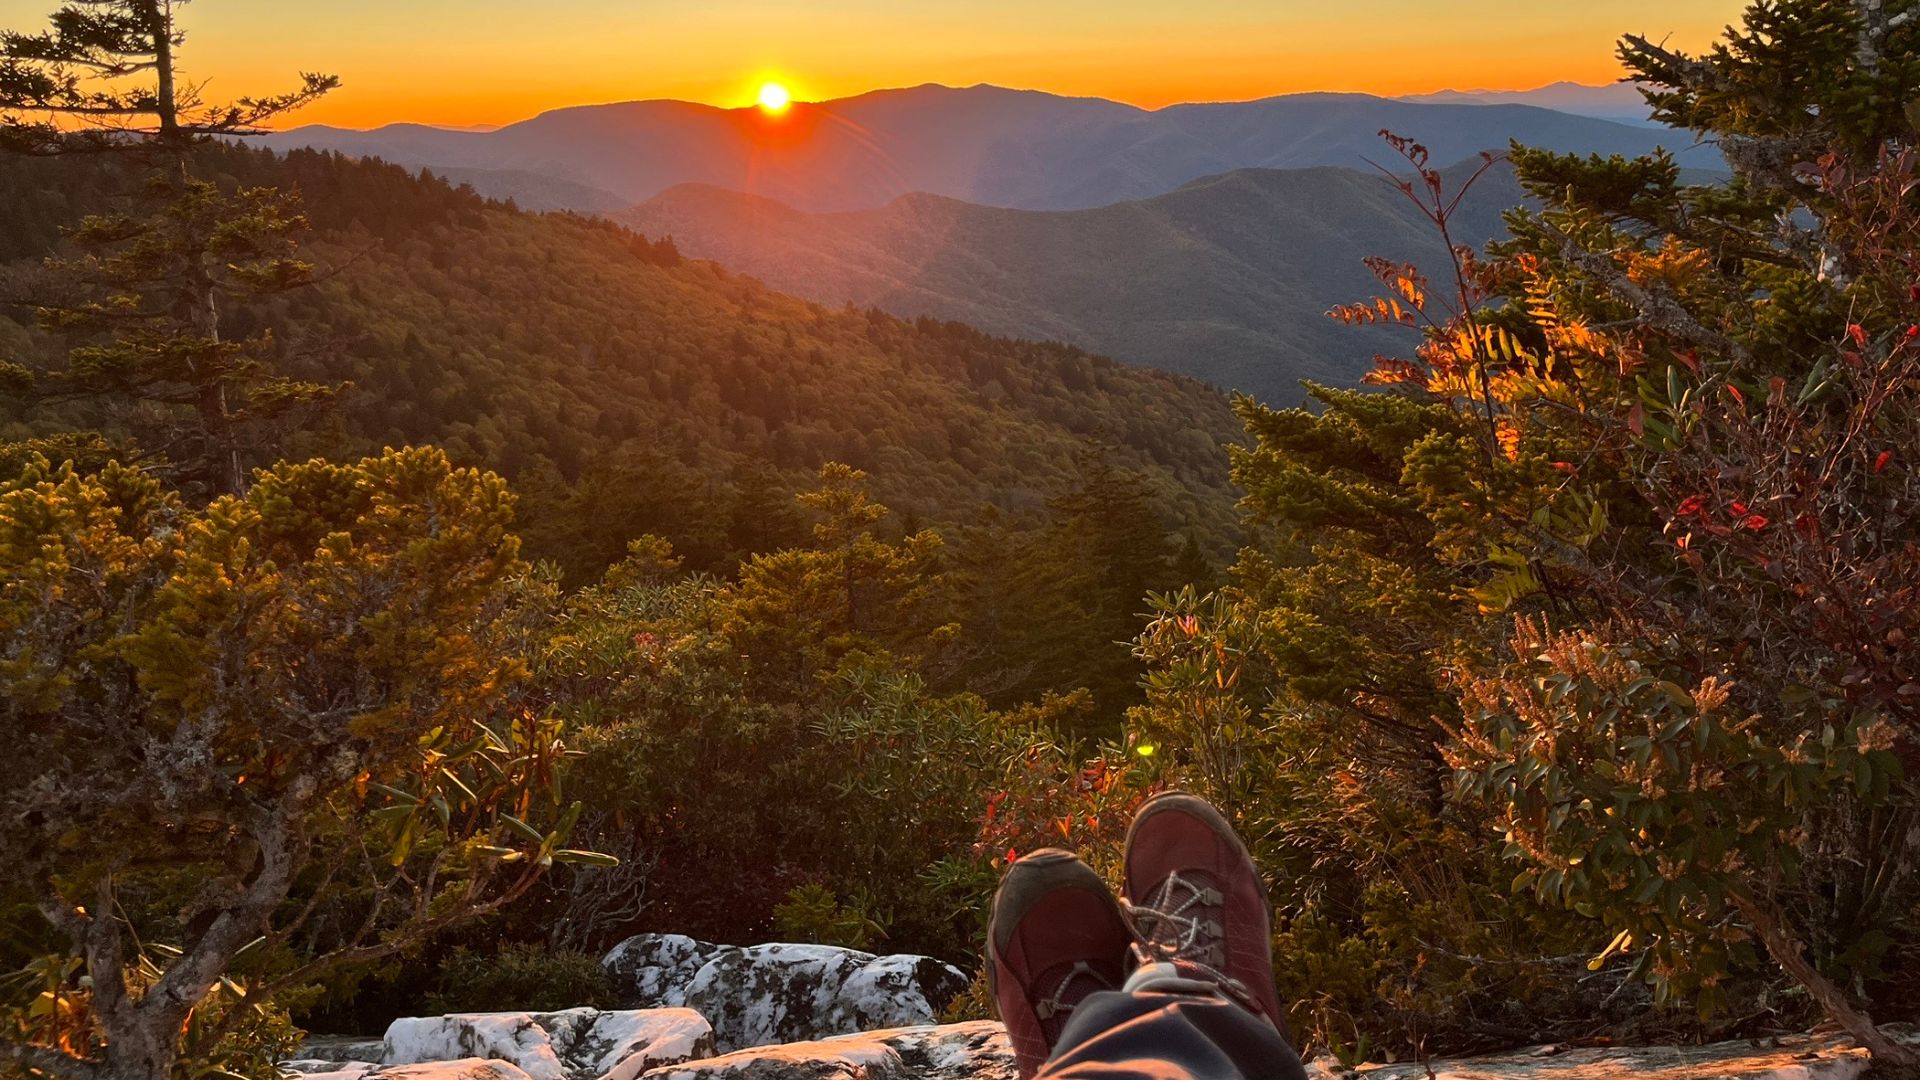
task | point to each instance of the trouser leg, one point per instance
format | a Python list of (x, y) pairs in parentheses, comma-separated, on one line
[(1169, 1030)]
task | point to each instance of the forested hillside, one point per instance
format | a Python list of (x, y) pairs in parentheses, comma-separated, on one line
[(1226, 279), (630, 391)]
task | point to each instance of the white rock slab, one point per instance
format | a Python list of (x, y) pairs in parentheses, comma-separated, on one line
[(510, 1037), (463, 1069), (1787, 1058), (780, 993), (573, 1044), (972, 1051), (622, 1045), (339, 1070), (340, 1048)]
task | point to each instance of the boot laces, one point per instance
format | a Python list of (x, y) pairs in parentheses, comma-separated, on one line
[(1181, 921), (1056, 1003)]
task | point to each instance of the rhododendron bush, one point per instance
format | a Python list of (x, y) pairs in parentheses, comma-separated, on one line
[(1618, 568)]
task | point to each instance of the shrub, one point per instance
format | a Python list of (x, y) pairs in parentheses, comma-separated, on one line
[(762, 735), (302, 701), (1676, 423), (812, 913), (520, 978)]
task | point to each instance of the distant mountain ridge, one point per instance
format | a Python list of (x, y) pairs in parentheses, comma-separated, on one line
[(1620, 102), (1226, 278), (1019, 149)]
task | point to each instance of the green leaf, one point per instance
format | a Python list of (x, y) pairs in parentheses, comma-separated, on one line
[(394, 793), (567, 822), (460, 785), (526, 831)]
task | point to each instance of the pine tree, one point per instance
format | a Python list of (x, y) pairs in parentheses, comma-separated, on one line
[(148, 287), (67, 90), (1081, 585)]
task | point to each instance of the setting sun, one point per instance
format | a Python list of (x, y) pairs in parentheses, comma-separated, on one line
[(774, 98)]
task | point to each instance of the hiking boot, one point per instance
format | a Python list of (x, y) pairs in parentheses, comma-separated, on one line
[(1056, 936), (1197, 902)]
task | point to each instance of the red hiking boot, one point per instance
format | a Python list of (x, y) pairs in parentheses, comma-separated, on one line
[(1056, 936), (1197, 900)]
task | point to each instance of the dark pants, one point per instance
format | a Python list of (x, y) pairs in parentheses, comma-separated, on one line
[(1151, 1035)]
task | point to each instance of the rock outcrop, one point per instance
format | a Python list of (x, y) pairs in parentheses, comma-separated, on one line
[(979, 1051), (973, 1051), (574, 1044), (1787, 1058), (462, 1069), (340, 1048), (767, 994), (809, 1012)]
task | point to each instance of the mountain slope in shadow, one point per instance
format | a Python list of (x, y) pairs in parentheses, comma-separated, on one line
[(1227, 279)]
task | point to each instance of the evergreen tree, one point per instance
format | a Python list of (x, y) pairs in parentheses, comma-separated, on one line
[(763, 516), (1052, 608), (801, 613), (149, 286), (1191, 566), (104, 77), (1107, 549)]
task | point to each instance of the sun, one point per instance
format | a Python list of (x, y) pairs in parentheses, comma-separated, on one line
[(774, 98)]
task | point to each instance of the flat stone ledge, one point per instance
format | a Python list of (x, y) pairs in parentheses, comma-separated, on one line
[(1797, 1057)]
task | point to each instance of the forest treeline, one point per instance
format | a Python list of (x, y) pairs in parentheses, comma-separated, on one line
[(1562, 683)]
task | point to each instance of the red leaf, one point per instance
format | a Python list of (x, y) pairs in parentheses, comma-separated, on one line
[(1858, 333), (1755, 522), (1738, 509), (1690, 506), (1880, 462), (1637, 419), (1565, 467)]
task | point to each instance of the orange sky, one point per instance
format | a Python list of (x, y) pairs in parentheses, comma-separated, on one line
[(495, 61)]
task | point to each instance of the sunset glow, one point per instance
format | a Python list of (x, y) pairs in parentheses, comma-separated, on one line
[(773, 98), (496, 63)]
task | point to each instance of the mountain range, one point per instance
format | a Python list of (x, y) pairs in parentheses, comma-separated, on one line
[(988, 145), (1620, 102), (1226, 278)]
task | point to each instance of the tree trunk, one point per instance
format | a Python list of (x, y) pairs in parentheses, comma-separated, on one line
[(141, 1049), (222, 450), (1787, 951), (198, 305), (166, 104)]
